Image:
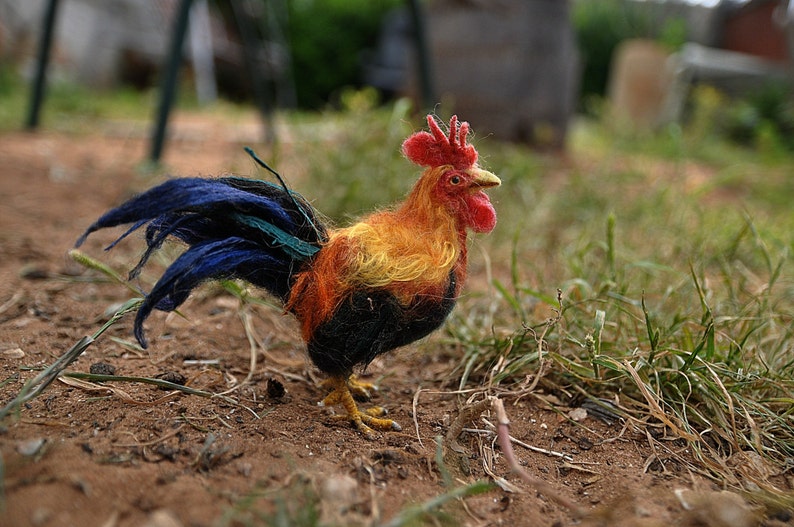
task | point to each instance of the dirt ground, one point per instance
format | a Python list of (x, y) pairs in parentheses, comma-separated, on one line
[(142, 456)]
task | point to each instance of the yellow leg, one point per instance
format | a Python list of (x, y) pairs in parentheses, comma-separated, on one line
[(365, 422)]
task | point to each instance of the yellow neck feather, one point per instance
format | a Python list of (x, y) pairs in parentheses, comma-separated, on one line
[(419, 243)]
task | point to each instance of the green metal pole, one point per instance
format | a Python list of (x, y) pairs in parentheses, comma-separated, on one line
[(42, 61), (170, 78)]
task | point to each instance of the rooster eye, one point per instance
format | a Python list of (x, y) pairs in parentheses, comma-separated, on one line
[(454, 180)]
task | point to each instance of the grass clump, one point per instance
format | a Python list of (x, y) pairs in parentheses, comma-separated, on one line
[(675, 303)]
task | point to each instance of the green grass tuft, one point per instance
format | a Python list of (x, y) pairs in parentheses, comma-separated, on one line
[(682, 308)]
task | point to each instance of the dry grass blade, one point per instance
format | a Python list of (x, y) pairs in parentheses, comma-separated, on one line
[(653, 405), (157, 382), (38, 384), (83, 384), (253, 345), (410, 515)]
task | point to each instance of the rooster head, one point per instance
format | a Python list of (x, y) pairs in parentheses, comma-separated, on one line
[(453, 178)]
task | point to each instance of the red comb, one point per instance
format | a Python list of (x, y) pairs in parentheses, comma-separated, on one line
[(434, 148)]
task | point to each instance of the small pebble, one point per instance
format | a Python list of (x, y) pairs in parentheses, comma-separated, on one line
[(102, 368), (275, 389), (163, 518), (40, 516), (173, 377), (340, 490), (31, 447), (16, 353), (578, 414)]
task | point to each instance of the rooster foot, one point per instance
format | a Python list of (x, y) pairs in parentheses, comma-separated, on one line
[(361, 390), (366, 422)]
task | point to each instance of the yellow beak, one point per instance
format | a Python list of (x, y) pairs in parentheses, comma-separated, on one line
[(483, 179)]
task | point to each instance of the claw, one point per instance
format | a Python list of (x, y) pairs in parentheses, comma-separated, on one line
[(366, 422)]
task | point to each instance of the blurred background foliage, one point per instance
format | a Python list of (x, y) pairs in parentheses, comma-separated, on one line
[(764, 117), (331, 40), (327, 38)]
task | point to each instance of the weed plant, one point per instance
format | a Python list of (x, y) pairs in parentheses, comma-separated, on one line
[(675, 302)]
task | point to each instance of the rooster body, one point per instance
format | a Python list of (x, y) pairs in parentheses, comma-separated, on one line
[(359, 291)]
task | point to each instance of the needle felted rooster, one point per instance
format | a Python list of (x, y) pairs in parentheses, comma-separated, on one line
[(358, 291)]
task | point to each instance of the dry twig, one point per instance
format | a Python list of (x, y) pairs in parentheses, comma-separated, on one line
[(503, 435)]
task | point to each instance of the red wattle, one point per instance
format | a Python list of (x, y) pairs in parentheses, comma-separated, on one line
[(482, 216)]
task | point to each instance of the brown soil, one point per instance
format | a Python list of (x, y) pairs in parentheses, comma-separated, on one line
[(142, 456)]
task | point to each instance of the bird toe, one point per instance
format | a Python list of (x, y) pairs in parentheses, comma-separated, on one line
[(367, 421), (377, 423), (361, 391), (376, 411)]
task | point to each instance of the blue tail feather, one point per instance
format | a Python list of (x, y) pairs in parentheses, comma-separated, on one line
[(218, 259), (234, 228), (192, 195), (157, 233)]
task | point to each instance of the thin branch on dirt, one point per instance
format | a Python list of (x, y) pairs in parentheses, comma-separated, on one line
[(163, 358), (491, 433), (201, 362), (10, 302), (488, 457), (153, 441), (539, 450), (160, 383), (503, 435), (192, 422), (466, 415), (224, 423), (471, 514), (579, 467)]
